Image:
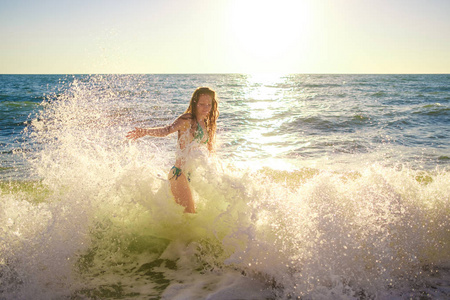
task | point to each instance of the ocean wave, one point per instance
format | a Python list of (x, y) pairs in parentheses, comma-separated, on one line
[(328, 124), (304, 233), (320, 85), (433, 110), (100, 221)]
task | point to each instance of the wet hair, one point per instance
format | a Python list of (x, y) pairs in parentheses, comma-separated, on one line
[(212, 117)]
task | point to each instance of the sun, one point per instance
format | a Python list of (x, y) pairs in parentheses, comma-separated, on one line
[(270, 31)]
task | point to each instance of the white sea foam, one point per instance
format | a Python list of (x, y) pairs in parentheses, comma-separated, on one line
[(107, 227)]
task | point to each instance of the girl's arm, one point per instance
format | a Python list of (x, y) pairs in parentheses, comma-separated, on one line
[(141, 132), (180, 124)]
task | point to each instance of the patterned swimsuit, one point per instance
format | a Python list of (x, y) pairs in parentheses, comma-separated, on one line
[(198, 137)]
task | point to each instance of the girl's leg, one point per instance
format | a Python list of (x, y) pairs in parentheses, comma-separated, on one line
[(181, 191)]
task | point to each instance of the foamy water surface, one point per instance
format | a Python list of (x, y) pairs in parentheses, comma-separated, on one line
[(323, 187)]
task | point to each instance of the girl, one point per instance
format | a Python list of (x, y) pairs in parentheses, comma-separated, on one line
[(196, 129)]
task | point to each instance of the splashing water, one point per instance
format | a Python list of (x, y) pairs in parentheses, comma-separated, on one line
[(100, 223)]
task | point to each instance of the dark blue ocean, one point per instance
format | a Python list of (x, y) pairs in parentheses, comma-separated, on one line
[(322, 187), (300, 119)]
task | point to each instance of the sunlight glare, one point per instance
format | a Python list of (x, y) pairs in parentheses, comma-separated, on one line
[(268, 29), (264, 101)]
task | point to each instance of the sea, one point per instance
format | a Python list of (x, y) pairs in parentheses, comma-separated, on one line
[(322, 186)]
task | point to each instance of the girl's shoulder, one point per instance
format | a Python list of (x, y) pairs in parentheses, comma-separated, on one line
[(183, 122), (186, 116)]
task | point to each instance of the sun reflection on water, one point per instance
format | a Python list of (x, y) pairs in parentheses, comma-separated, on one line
[(267, 108)]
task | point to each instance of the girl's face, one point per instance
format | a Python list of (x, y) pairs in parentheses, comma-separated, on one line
[(204, 106)]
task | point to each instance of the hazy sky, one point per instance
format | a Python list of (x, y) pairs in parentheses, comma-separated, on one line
[(224, 36)]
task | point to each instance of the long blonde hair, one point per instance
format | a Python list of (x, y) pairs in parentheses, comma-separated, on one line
[(211, 120)]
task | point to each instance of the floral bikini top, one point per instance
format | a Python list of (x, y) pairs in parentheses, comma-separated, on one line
[(199, 134), (187, 150)]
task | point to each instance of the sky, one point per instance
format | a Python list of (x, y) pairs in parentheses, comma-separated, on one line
[(224, 36)]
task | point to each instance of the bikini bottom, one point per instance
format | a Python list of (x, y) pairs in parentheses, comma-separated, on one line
[(177, 173)]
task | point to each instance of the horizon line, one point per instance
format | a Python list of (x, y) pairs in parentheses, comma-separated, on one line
[(230, 73)]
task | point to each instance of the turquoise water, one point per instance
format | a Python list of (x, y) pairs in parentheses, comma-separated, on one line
[(323, 187)]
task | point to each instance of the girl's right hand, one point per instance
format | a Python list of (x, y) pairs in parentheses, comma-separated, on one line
[(136, 133)]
